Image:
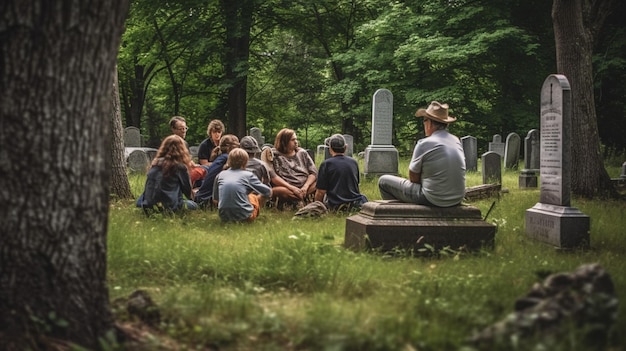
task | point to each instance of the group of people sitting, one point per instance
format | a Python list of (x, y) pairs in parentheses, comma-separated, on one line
[(239, 183), (231, 176)]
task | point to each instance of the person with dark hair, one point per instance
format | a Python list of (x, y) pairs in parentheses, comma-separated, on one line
[(292, 171), (168, 178), (238, 192), (204, 194), (437, 167), (338, 178), (214, 132)]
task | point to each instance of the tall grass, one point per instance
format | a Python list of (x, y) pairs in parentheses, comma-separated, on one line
[(284, 284)]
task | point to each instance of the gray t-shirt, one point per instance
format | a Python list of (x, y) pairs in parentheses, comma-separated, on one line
[(440, 160), (231, 189), (294, 169)]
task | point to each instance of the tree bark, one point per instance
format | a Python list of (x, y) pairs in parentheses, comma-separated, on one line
[(120, 187), (56, 64), (576, 24)]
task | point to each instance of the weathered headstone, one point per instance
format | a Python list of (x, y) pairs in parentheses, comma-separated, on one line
[(386, 225), (470, 149), (194, 151), (497, 145), (381, 157), (491, 164), (528, 175), (257, 135), (511, 151), (349, 143), (132, 137), (138, 161), (552, 220)]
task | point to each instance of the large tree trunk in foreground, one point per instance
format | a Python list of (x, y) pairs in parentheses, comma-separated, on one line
[(56, 65), (119, 178), (576, 25)]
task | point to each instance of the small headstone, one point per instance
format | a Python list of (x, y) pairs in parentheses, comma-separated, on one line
[(528, 175), (511, 151), (194, 151), (552, 220), (497, 145), (491, 168), (381, 157), (257, 135), (623, 175), (138, 161), (470, 148), (132, 137)]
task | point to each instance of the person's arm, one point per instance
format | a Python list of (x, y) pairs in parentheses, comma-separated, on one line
[(278, 181), (415, 177), (309, 181), (319, 195)]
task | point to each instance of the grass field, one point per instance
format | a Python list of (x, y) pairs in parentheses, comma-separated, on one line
[(283, 284)]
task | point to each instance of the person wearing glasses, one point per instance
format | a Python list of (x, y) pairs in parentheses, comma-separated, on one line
[(437, 167), (197, 172)]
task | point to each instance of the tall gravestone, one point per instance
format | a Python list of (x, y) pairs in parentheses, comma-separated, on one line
[(528, 175), (497, 145), (491, 164), (552, 220), (511, 151), (381, 157), (470, 149), (350, 144)]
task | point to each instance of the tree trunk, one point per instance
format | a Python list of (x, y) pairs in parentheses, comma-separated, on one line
[(576, 22), (56, 64), (120, 187), (238, 21)]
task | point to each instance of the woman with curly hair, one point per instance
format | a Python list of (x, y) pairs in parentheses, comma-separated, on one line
[(168, 185)]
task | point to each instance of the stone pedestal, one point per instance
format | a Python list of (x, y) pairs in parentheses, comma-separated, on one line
[(380, 159), (528, 178), (385, 225), (561, 226)]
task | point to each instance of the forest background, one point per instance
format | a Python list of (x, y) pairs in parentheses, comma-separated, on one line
[(314, 65)]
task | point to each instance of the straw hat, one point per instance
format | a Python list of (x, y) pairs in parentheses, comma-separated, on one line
[(437, 112)]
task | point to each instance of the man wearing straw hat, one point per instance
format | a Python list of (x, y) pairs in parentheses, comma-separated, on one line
[(437, 168)]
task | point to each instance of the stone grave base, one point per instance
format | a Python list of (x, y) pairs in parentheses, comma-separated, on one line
[(561, 226), (379, 160), (528, 179), (386, 225)]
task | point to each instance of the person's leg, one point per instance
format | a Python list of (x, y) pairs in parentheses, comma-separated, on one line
[(256, 208), (398, 188)]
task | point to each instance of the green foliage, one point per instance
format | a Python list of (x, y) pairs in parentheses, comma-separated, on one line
[(281, 284)]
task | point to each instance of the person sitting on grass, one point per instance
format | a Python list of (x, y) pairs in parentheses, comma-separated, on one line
[(292, 171), (338, 178), (168, 181), (219, 155), (238, 191)]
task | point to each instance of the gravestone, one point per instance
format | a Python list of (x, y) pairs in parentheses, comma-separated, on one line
[(552, 220), (497, 145), (386, 225), (381, 157), (491, 164), (528, 175), (138, 161), (321, 150), (470, 149), (132, 137), (193, 150), (257, 135), (350, 143), (511, 151)]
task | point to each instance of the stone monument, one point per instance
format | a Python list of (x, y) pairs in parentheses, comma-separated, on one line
[(511, 151), (381, 157), (470, 149), (528, 175), (552, 220), (497, 145)]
